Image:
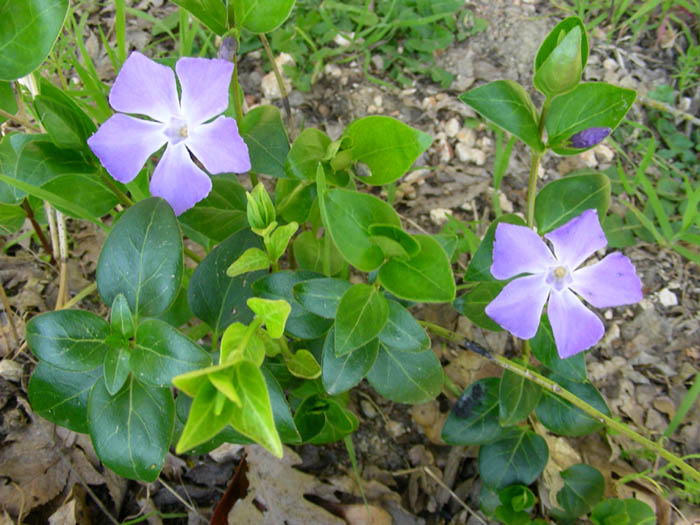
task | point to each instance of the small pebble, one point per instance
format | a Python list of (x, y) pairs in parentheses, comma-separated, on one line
[(667, 298), (452, 127), (10, 370), (438, 216), (473, 155), (466, 136), (604, 153), (588, 158)]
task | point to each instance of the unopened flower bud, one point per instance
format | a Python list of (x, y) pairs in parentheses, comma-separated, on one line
[(260, 210), (589, 137)]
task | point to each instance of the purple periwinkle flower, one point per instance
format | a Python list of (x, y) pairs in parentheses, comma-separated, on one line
[(143, 87), (589, 137), (559, 277)]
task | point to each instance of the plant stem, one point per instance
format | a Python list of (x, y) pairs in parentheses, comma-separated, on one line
[(82, 294), (532, 188), (19, 120), (123, 197), (37, 229), (196, 258), (280, 83)]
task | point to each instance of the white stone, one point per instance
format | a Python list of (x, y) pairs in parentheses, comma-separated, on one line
[(439, 215), (10, 370), (332, 71), (342, 40), (378, 101), (505, 204), (667, 298), (485, 144), (466, 136), (604, 153), (452, 127), (473, 155), (610, 64), (588, 158)]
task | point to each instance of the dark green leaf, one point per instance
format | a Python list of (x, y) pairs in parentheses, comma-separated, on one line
[(362, 313), (267, 141), (8, 103), (402, 332), (545, 350), (68, 339), (517, 459), (120, 319), (321, 296), (62, 396), (10, 148), (11, 218), (323, 421), (142, 258), (583, 489), (406, 377), (280, 409), (131, 430), (479, 268), (116, 368), (507, 104), (623, 512), (473, 303), (344, 372), (517, 397)]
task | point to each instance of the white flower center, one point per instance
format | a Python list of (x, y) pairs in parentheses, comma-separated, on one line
[(559, 277), (176, 130)]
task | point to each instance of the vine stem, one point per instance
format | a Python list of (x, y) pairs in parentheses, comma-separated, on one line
[(37, 229), (556, 389), (280, 83), (19, 120)]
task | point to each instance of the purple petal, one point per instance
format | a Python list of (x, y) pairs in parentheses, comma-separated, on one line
[(574, 326), (518, 249), (589, 137), (219, 147), (178, 180), (204, 84), (578, 239), (519, 306), (145, 87), (610, 282), (123, 145)]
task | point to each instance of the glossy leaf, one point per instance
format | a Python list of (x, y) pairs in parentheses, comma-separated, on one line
[(479, 268), (68, 339), (362, 314), (215, 298), (142, 258), (309, 253), (273, 312), (402, 332), (268, 145), (473, 419), (116, 368), (545, 350), (161, 352), (561, 417), (10, 147), (393, 241), (280, 239), (261, 16), (508, 105), (321, 296), (344, 372), (301, 322), (308, 150), (120, 319), (280, 409), (387, 146), (426, 277), (206, 419), (590, 104), (8, 103), (304, 365), (406, 377), (517, 398), (61, 396), (517, 459), (212, 13), (28, 30), (563, 199), (623, 512), (321, 420), (131, 430), (251, 260), (239, 343), (473, 303), (348, 216), (583, 489)]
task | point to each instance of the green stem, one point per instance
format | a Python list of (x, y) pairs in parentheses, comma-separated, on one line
[(452, 387), (19, 120), (123, 197), (556, 389), (37, 229), (532, 188), (82, 294), (196, 258)]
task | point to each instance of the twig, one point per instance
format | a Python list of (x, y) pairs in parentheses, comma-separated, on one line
[(19, 120), (189, 506), (37, 229)]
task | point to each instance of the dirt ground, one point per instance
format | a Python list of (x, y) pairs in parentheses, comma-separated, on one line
[(644, 365)]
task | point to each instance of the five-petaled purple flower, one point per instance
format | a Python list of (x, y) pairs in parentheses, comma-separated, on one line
[(589, 137), (609, 282), (124, 143)]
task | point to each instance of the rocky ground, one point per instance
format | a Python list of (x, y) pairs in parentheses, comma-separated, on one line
[(644, 365)]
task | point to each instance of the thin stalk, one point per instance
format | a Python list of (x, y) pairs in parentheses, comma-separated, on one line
[(532, 188), (37, 229), (82, 294), (120, 29), (190, 254), (556, 389), (280, 83), (20, 120), (123, 197), (51, 218)]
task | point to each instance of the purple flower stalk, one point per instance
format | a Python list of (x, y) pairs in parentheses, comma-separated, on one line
[(589, 137), (124, 143), (558, 277)]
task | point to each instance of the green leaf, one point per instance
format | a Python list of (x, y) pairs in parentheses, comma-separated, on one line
[(321, 420), (406, 377), (517, 397), (28, 30), (304, 365), (68, 339), (517, 459), (212, 13), (402, 332), (561, 417), (386, 145), (161, 352), (308, 150), (321, 296), (62, 396), (361, 316), (268, 145), (426, 277), (301, 322), (238, 342), (260, 210), (507, 104), (253, 418), (554, 37), (348, 216), (545, 350), (8, 103), (590, 104), (561, 58), (251, 260), (583, 489), (280, 410), (116, 368), (295, 200), (479, 268), (273, 312), (563, 199), (142, 258), (11, 218), (344, 372), (623, 512), (131, 430), (120, 319), (259, 16), (309, 253), (10, 147), (393, 241), (473, 419), (67, 125), (215, 298), (473, 304), (222, 213), (206, 418), (280, 239)]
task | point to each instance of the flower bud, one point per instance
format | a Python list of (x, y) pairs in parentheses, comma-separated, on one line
[(561, 58), (260, 210), (589, 137)]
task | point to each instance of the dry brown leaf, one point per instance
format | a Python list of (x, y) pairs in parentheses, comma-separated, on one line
[(276, 493)]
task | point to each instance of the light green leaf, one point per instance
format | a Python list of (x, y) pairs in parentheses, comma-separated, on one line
[(253, 259), (212, 13), (206, 419), (273, 312), (239, 342), (259, 16), (304, 365), (267, 141), (308, 150), (280, 239)]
